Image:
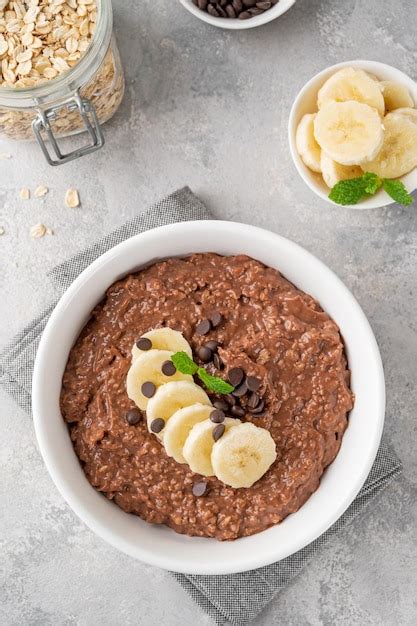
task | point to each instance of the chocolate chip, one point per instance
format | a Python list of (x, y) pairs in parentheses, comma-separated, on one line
[(168, 368), (255, 11), (148, 389), (258, 409), (230, 399), (205, 354), (218, 363), (221, 405), (241, 390), (237, 411), (203, 327), (144, 343), (217, 416), (216, 319), (218, 431), (212, 345), (157, 425), (133, 416), (253, 383), (212, 11), (199, 489), (235, 376), (253, 401)]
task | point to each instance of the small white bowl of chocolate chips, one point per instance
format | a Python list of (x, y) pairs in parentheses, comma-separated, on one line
[(237, 14)]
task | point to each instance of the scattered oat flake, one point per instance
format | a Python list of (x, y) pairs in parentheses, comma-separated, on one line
[(2, 231), (5, 155), (39, 230), (41, 191), (72, 199), (24, 193)]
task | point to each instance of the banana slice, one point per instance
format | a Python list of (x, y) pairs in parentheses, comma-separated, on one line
[(395, 95), (171, 397), (398, 155), (349, 132), (179, 425), (333, 172), (199, 445), (307, 146), (411, 114), (164, 339), (147, 368), (375, 78), (243, 455), (350, 84)]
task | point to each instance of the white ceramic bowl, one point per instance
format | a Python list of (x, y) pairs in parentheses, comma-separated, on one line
[(236, 24), (158, 545), (306, 102)]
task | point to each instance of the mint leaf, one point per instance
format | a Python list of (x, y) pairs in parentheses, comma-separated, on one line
[(397, 191), (372, 183), (349, 191), (183, 363), (214, 383), (186, 365)]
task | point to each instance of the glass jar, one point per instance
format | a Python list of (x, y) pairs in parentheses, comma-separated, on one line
[(80, 100)]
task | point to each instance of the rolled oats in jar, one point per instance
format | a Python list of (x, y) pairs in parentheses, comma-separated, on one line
[(60, 72)]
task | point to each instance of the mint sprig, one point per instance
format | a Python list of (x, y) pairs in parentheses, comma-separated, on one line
[(351, 191), (186, 365), (214, 383), (372, 183), (348, 191), (397, 191)]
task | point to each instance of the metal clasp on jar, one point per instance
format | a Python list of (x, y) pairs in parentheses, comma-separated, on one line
[(45, 117)]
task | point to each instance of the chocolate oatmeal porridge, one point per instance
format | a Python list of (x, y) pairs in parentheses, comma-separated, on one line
[(244, 322)]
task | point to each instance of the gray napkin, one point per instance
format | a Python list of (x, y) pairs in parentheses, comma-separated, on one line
[(238, 598)]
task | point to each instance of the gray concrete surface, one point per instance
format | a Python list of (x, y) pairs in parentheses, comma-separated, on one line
[(209, 108)]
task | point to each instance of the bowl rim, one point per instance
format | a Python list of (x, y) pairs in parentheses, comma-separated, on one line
[(54, 461), (381, 199), (235, 24)]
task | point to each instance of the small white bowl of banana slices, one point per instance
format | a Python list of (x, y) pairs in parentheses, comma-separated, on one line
[(351, 119)]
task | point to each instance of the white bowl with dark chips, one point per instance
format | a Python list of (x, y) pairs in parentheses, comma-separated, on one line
[(159, 545), (266, 16)]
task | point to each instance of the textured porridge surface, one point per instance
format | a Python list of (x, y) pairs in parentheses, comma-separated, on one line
[(271, 330)]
